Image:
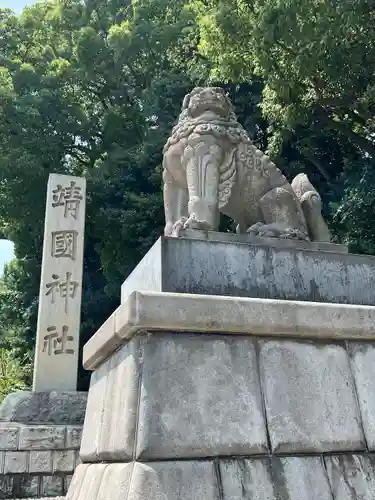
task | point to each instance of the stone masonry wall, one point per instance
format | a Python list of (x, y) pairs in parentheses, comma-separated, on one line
[(37, 460), (230, 417)]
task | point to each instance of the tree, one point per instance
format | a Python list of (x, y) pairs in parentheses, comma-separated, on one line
[(87, 89), (316, 60), (11, 374)]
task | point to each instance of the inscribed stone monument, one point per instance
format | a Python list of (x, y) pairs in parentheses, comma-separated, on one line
[(57, 342)]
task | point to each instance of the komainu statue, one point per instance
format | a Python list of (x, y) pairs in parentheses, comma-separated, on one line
[(211, 166)]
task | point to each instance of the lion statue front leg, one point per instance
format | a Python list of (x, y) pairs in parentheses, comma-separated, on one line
[(175, 205), (196, 206), (202, 157)]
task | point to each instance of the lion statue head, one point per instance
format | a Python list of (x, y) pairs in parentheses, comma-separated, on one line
[(206, 110), (210, 101)]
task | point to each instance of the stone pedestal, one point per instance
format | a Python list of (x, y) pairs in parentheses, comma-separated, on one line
[(244, 266), (230, 397), (58, 408), (40, 435)]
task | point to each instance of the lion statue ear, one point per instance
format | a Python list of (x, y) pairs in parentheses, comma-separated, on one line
[(185, 102)]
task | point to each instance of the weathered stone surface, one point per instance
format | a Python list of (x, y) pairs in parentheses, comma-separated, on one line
[(362, 360), (67, 481), (16, 462), (250, 239), (200, 397), (57, 332), (119, 414), (73, 437), (8, 438), (310, 400), (52, 486), (149, 272), (6, 486), (212, 314), (44, 407), (247, 270), (87, 482), (26, 486), (153, 481), (46, 498), (289, 478), (101, 482), (352, 477), (105, 341), (63, 461), (40, 461), (109, 431), (93, 419), (172, 480), (40, 437), (77, 482)]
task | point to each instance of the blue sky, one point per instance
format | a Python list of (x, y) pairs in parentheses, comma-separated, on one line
[(16, 5), (6, 252)]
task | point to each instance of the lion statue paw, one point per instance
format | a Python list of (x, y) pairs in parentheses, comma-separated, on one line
[(276, 231), (191, 222)]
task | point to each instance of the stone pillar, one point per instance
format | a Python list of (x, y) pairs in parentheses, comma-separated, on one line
[(202, 396), (57, 340)]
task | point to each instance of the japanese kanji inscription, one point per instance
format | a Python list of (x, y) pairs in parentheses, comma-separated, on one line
[(64, 244), (68, 197), (56, 358), (65, 289), (56, 342)]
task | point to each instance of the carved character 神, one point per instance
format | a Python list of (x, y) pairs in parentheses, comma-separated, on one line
[(211, 166)]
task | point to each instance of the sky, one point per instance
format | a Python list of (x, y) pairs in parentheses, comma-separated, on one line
[(16, 5), (6, 252)]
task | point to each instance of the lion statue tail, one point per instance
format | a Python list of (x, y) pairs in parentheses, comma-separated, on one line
[(311, 204)]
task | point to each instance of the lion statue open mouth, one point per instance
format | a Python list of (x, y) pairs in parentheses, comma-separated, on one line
[(211, 166)]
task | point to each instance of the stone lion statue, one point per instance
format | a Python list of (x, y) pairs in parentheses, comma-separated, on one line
[(210, 166)]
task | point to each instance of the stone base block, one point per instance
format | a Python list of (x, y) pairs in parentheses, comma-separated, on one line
[(37, 460), (284, 270), (156, 481), (172, 396), (310, 398), (343, 477), (183, 395), (33, 485), (60, 408)]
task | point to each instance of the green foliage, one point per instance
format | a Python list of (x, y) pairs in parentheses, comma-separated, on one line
[(15, 354), (11, 374), (86, 89), (316, 60)]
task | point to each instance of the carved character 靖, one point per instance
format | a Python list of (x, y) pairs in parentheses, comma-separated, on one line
[(211, 166)]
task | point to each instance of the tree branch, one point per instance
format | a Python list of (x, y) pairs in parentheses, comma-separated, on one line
[(320, 168), (360, 141)]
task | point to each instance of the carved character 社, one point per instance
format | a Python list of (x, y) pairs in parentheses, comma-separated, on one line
[(211, 166)]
